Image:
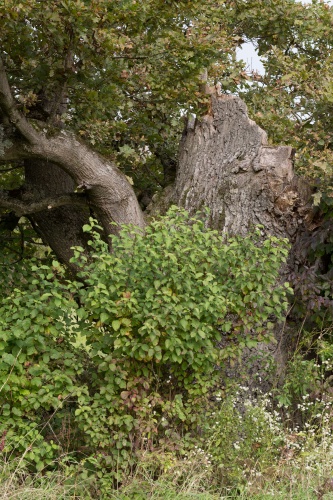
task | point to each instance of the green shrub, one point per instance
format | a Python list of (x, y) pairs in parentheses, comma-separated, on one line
[(129, 352)]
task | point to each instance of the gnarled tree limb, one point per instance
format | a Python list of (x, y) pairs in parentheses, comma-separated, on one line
[(110, 193), (55, 162)]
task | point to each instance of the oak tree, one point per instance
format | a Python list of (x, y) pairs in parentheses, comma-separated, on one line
[(92, 91)]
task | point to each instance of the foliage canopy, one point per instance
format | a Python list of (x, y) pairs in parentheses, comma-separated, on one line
[(127, 69), (121, 75)]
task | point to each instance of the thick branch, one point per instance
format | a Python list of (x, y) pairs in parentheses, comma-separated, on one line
[(31, 207), (110, 194), (9, 109)]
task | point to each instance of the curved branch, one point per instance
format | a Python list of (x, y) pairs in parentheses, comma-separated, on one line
[(9, 109), (30, 207), (107, 188)]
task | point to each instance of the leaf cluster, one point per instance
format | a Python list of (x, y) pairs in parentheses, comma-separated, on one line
[(292, 101)]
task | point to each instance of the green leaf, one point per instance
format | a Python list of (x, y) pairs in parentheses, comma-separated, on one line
[(104, 317), (8, 358), (184, 323), (116, 324)]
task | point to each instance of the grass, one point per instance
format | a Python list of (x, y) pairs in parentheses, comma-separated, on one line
[(287, 479), (253, 454)]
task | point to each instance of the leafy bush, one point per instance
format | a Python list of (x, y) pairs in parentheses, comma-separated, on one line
[(247, 452), (39, 366), (129, 351)]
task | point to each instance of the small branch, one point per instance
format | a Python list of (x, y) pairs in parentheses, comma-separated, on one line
[(9, 108), (129, 57), (300, 121), (9, 169), (59, 105), (30, 207), (157, 54)]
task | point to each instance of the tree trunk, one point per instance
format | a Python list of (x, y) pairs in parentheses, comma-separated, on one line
[(60, 228), (226, 164), (55, 168)]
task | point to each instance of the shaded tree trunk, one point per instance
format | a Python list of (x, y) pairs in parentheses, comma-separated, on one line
[(60, 228), (55, 168)]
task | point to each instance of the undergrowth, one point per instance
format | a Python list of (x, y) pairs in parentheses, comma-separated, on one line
[(110, 384), (251, 448)]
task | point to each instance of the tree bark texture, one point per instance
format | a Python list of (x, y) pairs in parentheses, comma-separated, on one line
[(227, 165), (59, 165)]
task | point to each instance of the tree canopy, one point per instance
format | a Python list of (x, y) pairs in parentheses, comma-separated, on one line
[(119, 74), (292, 101), (122, 76)]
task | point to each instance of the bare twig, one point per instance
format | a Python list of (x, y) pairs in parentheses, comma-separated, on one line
[(9, 169)]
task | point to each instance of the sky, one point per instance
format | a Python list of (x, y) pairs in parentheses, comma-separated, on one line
[(248, 54)]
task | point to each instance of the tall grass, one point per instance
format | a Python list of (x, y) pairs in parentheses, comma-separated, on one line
[(300, 470)]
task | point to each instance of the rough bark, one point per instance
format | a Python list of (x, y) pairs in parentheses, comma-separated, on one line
[(57, 166), (108, 191), (227, 165), (59, 227)]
